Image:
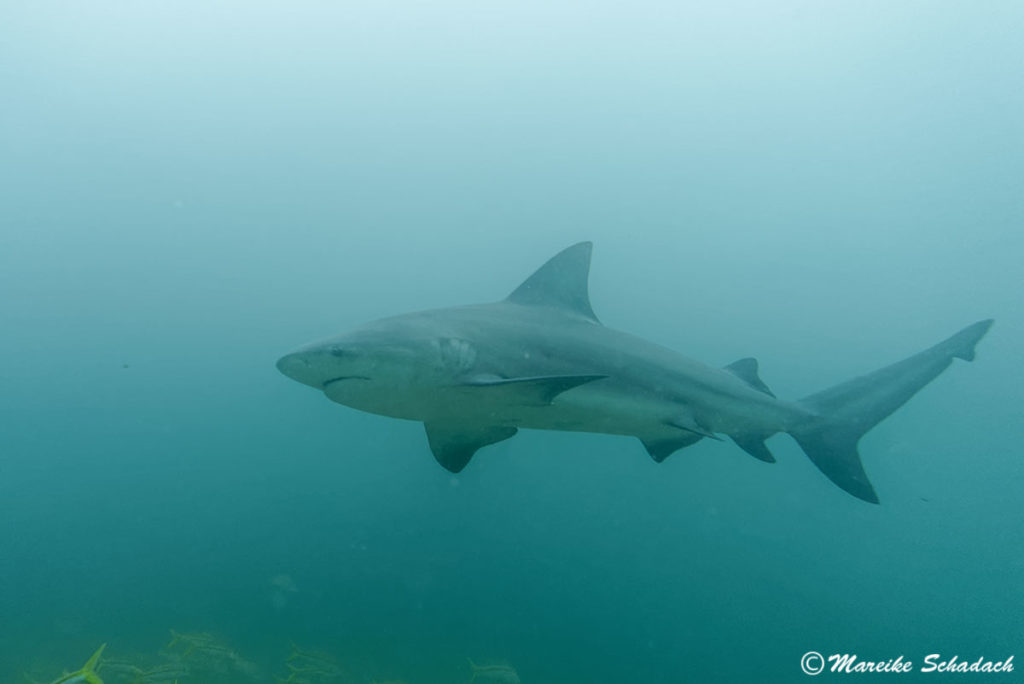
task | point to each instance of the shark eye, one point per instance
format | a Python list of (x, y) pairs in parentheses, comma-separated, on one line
[(340, 352)]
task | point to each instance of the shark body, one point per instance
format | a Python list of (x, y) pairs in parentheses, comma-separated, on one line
[(541, 359)]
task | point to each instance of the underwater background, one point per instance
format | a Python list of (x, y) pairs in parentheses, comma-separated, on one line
[(192, 189)]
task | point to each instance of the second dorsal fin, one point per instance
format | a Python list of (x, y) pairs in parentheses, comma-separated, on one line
[(746, 370)]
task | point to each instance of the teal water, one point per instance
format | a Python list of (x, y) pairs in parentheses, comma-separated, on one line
[(190, 190)]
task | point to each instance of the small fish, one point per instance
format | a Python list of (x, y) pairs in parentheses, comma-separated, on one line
[(282, 587), (164, 673), (284, 583), (303, 660), (191, 639), (306, 666), (494, 674), (201, 645), (119, 668)]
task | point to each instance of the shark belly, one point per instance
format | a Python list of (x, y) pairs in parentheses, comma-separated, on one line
[(616, 408)]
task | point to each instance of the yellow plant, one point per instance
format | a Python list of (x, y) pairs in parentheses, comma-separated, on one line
[(86, 674)]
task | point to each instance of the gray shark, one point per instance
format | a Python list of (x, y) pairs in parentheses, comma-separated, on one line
[(541, 359)]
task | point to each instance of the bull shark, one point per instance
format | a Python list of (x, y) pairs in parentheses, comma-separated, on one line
[(474, 375)]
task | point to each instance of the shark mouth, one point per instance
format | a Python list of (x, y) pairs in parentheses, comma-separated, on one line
[(343, 377)]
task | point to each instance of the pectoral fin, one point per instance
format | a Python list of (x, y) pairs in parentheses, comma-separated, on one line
[(532, 391), (453, 445), (685, 421)]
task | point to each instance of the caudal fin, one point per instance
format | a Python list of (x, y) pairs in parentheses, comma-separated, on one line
[(846, 412)]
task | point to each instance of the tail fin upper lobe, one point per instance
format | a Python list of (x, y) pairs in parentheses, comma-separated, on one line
[(846, 412)]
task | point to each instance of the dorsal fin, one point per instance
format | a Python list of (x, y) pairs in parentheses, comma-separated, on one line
[(746, 370), (560, 283)]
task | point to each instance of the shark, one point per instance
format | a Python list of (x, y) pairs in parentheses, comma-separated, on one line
[(540, 359)]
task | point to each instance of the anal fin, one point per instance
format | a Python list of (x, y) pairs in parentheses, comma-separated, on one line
[(755, 446), (661, 448), (453, 445)]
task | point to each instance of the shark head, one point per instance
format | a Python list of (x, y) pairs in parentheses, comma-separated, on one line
[(417, 365), (378, 366), (372, 353)]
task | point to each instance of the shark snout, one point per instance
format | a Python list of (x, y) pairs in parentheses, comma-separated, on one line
[(298, 367)]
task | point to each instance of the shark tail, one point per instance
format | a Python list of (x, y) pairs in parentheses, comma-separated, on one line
[(845, 413)]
